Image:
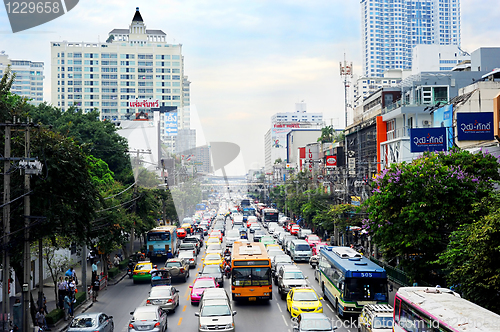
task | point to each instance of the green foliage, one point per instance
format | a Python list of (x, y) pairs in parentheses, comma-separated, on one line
[(113, 272), (278, 161), (415, 206), (472, 259), (99, 138), (54, 316), (326, 135), (100, 173)]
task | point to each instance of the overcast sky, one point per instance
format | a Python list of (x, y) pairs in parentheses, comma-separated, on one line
[(246, 59)]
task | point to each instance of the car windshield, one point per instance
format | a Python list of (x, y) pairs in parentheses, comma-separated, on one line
[(318, 324), (186, 254), (187, 245), (160, 292), (83, 322), (382, 323), (214, 247), (211, 269), (215, 310), (173, 264), (212, 257), (141, 267), (282, 259), (273, 253), (233, 233), (204, 283), (305, 296), (293, 275), (302, 247), (365, 289), (144, 315), (313, 238)]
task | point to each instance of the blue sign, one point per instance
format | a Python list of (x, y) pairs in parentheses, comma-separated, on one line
[(171, 123), (367, 275), (475, 126), (428, 139), (443, 117)]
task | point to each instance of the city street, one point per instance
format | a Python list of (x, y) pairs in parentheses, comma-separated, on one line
[(119, 300)]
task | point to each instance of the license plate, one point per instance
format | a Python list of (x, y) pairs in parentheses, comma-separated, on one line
[(252, 299), (158, 255)]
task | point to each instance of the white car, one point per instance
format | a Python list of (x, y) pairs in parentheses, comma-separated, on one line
[(231, 236)]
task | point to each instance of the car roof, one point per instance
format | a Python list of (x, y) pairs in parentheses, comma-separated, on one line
[(160, 287), (204, 278), (313, 315), (148, 308), (291, 267), (178, 260), (144, 263), (89, 314), (214, 302), (304, 289)]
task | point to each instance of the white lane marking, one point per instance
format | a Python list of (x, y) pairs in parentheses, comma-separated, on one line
[(279, 307), (284, 320), (329, 307)]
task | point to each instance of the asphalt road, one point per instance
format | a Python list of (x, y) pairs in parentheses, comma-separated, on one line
[(120, 299)]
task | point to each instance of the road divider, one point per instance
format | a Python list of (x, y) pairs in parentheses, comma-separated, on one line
[(184, 309), (180, 321)]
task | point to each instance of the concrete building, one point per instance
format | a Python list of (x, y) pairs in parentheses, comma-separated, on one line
[(134, 64), (436, 57), (185, 140), (365, 86), (298, 138), (281, 124), (391, 28), (29, 77), (202, 162)]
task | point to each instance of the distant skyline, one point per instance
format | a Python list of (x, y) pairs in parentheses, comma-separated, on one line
[(246, 59)]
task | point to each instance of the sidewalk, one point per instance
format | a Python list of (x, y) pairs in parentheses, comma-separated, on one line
[(48, 290)]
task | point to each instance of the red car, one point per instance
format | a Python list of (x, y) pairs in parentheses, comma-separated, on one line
[(317, 247), (312, 239), (216, 234), (181, 233), (294, 230), (199, 286), (288, 226)]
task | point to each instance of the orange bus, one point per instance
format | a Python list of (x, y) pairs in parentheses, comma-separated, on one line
[(250, 272)]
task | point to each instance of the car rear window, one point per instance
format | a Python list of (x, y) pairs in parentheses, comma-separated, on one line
[(173, 264)]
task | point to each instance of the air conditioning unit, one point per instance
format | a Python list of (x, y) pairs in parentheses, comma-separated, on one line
[(426, 123)]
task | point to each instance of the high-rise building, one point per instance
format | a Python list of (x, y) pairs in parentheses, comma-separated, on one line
[(29, 77), (202, 159), (281, 124), (391, 28), (133, 64)]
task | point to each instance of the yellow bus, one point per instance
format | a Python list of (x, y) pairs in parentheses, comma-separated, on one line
[(250, 272)]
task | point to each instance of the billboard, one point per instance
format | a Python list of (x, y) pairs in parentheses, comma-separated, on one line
[(443, 117), (171, 123), (475, 126), (331, 161), (428, 139), (145, 103)]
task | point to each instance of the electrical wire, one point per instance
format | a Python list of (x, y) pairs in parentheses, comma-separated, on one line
[(121, 192)]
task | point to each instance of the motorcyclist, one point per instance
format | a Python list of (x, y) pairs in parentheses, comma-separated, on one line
[(169, 254), (227, 270), (227, 252)]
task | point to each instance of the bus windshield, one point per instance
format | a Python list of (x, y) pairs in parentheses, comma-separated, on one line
[(159, 236), (365, 289), (251, 276)]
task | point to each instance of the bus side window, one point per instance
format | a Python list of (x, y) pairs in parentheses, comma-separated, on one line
[(397, 306)]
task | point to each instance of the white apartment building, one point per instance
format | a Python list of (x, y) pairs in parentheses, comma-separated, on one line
[(133, 64), (29, 77), (436, 58), (391, 28)]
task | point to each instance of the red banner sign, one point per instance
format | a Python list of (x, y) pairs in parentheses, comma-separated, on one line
[(331, 161)]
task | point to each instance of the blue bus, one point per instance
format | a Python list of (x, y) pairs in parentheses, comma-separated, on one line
[(159, 241), (349, 280)]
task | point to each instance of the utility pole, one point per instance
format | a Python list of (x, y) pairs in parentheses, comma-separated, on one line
[(346, 74), (26, 254), (6, 230)]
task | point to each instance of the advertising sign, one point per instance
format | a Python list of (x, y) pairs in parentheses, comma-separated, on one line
[(171, 124), (428, 139), (331, 161), (302, 158), (477, 126), (145, 103)]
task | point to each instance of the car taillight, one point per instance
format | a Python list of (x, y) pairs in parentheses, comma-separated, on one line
[(131, 326), (157, 324), (135, 272), (182, 270), (170, 301), (148, 301)]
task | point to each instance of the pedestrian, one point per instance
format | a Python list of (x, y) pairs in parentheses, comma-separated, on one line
[(17, 321), (415, 284), (75, 278), (61, 292), (116, 260), (41, 321), (72, 292), (95, 289), (45, 303), (325, 236), (67, 306), (94, 269)]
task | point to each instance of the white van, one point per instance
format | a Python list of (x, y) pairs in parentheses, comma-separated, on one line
[(300, 250), (272, 226)]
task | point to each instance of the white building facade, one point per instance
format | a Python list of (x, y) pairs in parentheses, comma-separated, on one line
[(29, 78), (391, 28), (133, 64)]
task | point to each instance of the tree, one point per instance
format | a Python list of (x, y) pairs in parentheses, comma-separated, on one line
[(472, 259), (98, 138), (278, 161), (326, 135), (415, 206)]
